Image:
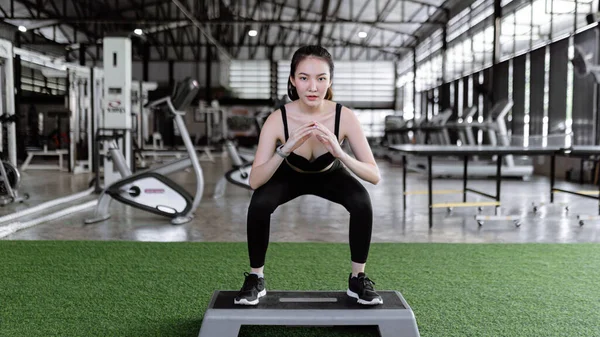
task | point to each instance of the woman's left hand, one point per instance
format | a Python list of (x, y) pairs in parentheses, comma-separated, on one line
[(329, 140)]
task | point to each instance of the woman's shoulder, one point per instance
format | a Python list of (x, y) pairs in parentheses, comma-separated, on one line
[(288, 106), (345, 110), (273, 119), (275, 114), (272, 126)]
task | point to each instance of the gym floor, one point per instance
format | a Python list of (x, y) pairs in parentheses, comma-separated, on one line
[(224, 219)]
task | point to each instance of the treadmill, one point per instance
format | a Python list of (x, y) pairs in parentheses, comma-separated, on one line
[(495, 125), (416, 131), (435, 131), (464, 129), (394, 130)]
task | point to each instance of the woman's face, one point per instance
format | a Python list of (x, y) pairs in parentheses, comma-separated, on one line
[(312, 79)]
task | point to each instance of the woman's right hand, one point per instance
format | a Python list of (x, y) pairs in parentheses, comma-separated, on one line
[(298, 137)]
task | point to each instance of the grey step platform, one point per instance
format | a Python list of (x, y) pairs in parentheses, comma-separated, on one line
[(308, 308)]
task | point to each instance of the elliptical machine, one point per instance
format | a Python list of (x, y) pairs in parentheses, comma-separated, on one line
[(151, 190), (10, 178)]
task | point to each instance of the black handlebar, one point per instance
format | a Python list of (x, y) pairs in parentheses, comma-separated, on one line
[(185, 91)]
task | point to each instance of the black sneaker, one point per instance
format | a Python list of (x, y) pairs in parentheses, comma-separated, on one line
[(361, 288), (252, 290)]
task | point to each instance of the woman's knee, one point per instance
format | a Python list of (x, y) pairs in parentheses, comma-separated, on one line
[(359, 202), (362, 206), (262, 203)]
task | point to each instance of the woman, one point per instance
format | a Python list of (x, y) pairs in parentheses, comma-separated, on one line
[(310, 160)]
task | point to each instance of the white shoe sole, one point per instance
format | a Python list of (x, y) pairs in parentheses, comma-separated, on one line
[(244, 301), (374, 301)]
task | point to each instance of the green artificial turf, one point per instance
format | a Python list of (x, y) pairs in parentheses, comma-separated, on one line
[(71, 288)]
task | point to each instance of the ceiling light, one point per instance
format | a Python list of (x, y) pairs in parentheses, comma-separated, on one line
[(22, 29), (138, 31), (362, 35), (252, 32)]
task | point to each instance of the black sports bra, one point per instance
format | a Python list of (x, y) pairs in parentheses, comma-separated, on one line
[(322, 161)]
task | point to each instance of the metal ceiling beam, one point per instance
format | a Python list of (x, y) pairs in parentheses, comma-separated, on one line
[(75, 6), (450, 8), (188, 37), (356, 20), (169, 33), (282, 35), (324, 12), (167, 22), (416, 38), (202, 30), (152, 39), (109, 12), (204, 44), (244, 31), (335, 14), (381, 15), (234, 21), (287, 52), (355, 28), (50, 15), (423, 3), (263, 37), (344, 42), (300, 15)]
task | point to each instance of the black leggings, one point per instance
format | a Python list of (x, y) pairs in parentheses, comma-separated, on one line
[(336, 184)]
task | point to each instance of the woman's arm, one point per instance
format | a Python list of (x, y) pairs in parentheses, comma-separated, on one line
[(266, 161), (364, 165)]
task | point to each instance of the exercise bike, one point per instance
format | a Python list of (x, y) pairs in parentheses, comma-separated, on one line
[(151, 190), (241, 159), (10, 179)]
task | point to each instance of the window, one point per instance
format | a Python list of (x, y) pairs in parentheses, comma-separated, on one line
[(250, 79), (373, 121), (537, 23), (354, 83)]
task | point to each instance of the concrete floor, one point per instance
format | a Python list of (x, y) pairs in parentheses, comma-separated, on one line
[(310, 218)]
